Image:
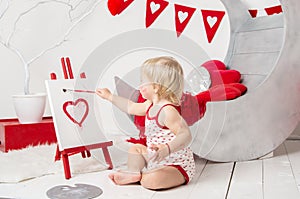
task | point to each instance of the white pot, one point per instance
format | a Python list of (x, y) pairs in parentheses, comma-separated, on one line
[(30, 108)]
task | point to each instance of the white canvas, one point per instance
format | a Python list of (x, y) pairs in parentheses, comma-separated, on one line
[(73, 114)]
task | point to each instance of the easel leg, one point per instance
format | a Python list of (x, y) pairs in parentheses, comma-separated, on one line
[(57, 154), (65, 159), (107, 157)]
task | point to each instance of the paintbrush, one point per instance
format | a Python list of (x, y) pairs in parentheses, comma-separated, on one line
[(76, 90)]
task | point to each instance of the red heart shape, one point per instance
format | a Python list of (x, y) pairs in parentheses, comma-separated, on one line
[(75, 105)]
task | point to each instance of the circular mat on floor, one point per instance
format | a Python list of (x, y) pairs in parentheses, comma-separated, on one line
[(78, 191)]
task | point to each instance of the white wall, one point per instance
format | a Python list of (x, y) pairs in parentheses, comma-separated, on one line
[(43, 31)]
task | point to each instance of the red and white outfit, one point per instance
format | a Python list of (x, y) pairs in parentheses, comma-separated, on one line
[(183, 159)]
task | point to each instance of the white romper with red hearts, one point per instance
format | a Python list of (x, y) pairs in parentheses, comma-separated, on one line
[(183, 159)]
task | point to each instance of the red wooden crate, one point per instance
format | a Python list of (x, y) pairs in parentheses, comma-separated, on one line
[(14, 135)]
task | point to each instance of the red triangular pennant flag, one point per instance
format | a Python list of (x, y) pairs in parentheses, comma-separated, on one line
[(183, 14), (274, 10), (117, 6), (253, 13), (212, 20), (154, 9)]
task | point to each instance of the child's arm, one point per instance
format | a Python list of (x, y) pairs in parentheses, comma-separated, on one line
[(173, 120), (122, 103)]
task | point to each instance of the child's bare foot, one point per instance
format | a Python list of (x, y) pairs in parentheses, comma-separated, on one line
[(125, 177)]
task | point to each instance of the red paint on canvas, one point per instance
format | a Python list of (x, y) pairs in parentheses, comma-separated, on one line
[(76, 107)]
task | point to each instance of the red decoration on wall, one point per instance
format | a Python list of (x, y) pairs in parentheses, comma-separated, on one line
[(253, 13), (117, 6), (76, 105), (183, 14), (273, 10), (212, 20), (154, 9)]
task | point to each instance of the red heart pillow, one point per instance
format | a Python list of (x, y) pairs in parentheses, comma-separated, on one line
[(222, 92), (214, 65), (219, 74)]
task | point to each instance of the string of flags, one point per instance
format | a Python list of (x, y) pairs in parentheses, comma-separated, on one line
[(266, 11), (183, 14)]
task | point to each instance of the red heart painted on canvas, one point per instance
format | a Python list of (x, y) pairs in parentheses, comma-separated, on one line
[(76, 111)]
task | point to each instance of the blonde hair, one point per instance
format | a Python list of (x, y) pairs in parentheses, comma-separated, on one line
[(167, 73)]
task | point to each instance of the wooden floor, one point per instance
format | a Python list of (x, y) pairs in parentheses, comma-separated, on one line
[(271, 178)]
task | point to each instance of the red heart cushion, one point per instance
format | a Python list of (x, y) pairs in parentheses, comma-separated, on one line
[(224, 77), (222, 92), (214, 65)]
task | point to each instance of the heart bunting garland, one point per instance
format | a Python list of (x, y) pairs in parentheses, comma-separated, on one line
[(154, 9), (266, 11), (274, 10), (183, 14), (212, 20)]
